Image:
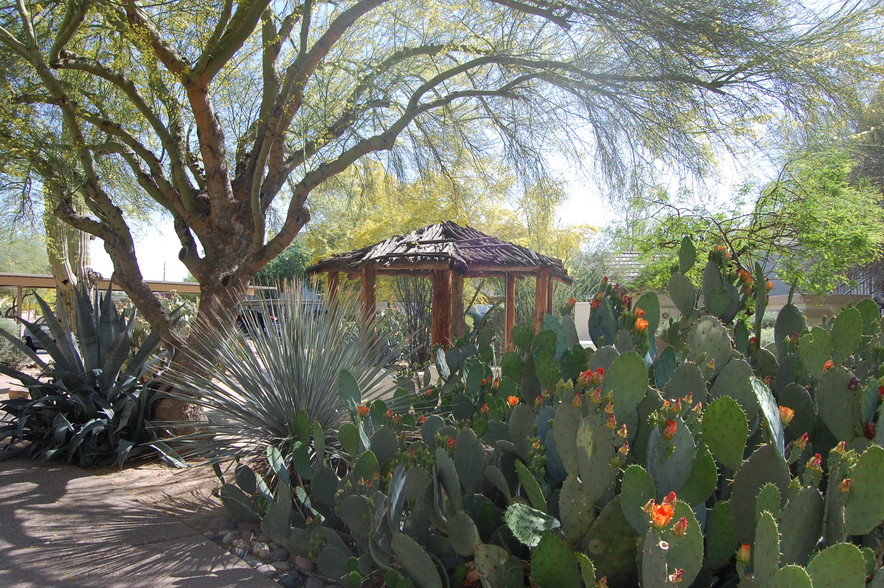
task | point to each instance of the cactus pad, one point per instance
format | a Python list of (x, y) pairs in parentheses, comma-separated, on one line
[(553, 564), (611, 544), (839, 406), (846, 334), (735, 380), (636, 489), (499, 567), (469, 459), (763, 466), (814, 348), (686, 379), (841, 564), (865, 501), (702, 481), (796, 397), (527, 524), (790, 321), (672, 459), (416, 561), (790, 576), (710, 344), (766, 553), (595, 457), (576, 512), (801, 523), (627, 378), (721, 537), (682, 292), (462, 534), (725, 431)]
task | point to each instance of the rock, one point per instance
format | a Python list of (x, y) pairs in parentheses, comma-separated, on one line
[(274, 546), (279, 553), (291, 580), (263, 538), (282, 566), (261, 550), (216, 537), (208, 533), (240, 551), (314, 582), (253, 562), (229, 526), (266, 570), (242, 543), (302, 563), (229, 538)]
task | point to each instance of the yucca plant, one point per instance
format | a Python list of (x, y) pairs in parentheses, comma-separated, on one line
[(252, 379), (89, 403)]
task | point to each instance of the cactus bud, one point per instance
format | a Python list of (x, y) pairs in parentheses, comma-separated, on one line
[(744, 553), (815, 463), (801, 442), (602, 583), (675, 577), (786, 415), (768, 285), (611, 422), (753, 343), (681, 527), (584, 378), (623, 432), (484, 409), (362, 410), (829, 365), (609, 408), (537, 401), (577, 401), (451, 442), (495, 384), (869, 430), (698, 409), (841, 448), (669, 429), (624, 449), (689, 399), (844, 486), (421, 419), (595, 304), (854, 383)]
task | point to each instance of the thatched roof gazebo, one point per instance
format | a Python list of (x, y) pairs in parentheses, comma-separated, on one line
[(449, 253)]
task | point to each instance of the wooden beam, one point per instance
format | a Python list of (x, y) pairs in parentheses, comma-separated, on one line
[(541, 298), (333, 285), (368, 293), (509, 312), (549, 295), (441, 333), (458, 326)]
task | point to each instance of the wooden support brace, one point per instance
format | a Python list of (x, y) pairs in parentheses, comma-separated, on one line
[(458, 326), (510, 312), (541, 298), (368, 293), (441, 333)]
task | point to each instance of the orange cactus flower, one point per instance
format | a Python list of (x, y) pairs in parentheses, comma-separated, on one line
[(362, 410), (744, 553), (661, 513), (512, 400), (681, 527), (768, 285), (786, 415), (641, 324), (389, 414), (829, 365), (669, 429), (639, 312), (421, 419), (745, 276), (595, 304)]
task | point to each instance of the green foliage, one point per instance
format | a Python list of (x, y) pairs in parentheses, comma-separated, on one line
[(10, 354), (260, 382), (601, 474), (90, 403), (288, 266)]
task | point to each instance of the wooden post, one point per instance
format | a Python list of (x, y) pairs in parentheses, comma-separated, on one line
[(369, 299), (458, 326), (541, 298), (509, 312), (549, 294), (333, 284), (441, 333)]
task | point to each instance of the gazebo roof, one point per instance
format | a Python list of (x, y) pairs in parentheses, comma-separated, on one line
[(446, 245)]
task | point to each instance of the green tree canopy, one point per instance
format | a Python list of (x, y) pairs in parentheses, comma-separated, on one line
[(221, 111)]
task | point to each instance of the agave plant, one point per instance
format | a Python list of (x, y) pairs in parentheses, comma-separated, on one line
[(89, 403), (259, 369)]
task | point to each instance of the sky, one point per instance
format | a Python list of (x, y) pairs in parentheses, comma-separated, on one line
[(157, 245)]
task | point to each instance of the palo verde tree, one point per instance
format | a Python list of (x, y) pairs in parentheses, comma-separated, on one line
[(222, 111)]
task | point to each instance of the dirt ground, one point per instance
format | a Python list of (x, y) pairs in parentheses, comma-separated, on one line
[(183, 493)]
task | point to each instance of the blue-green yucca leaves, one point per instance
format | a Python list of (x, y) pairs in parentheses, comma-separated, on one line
[(252, 382)]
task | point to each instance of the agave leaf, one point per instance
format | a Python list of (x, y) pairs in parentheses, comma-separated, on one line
[(63, 350), (87, 332), (114, 357), (86, 429)]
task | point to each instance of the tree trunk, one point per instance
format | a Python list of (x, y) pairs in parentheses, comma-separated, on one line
[(68, 252), (216, 304)]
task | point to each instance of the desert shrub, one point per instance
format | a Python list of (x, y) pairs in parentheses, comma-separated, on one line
[(10, 354)]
